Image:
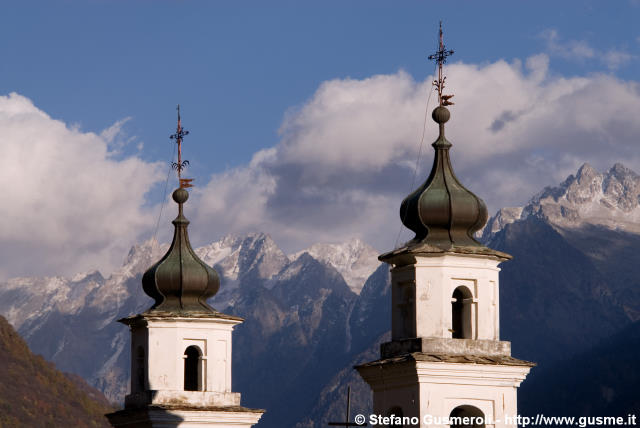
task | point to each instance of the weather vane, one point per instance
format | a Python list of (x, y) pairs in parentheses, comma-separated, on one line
[(180, 165), (440, 57)]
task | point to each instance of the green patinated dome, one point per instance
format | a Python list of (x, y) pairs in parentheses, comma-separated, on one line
[(180, 282), (442, 212)]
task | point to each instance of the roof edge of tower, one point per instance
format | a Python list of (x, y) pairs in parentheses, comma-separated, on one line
[(154, 314), (407, 254)]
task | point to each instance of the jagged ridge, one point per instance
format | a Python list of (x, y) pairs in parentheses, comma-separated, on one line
[(610, 199)]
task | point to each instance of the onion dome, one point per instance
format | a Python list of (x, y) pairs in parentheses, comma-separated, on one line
[(442, 212), (181, 282)]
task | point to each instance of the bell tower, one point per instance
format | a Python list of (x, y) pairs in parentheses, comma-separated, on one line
[(181, 346), (445, 359)]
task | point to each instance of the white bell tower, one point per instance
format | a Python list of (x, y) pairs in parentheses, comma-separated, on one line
[(181, 346), (445, 360), (445, 357)]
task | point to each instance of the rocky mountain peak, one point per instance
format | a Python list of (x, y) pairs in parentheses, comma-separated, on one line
[(253, 252), (586, 171), (622, 185), (354, 259), (620, 170), (93, 275), (503, 217), (610, 199), (141, 256)]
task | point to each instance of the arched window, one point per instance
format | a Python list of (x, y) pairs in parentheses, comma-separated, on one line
[(474, 417), (461, 313), (192, 369), (396, 412), (140, 374)]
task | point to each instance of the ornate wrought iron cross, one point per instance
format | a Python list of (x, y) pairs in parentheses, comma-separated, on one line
[(180, 165), (440, 57)]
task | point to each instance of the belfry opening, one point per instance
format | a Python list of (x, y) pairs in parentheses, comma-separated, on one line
[(192, 369), (461, 323), (467, 416)]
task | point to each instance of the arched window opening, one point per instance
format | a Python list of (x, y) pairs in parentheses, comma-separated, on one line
[(467, 417), (141, 369), (192, 369), (397, 414), (461, 313)]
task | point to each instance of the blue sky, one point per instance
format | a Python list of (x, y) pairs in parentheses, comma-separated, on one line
[(247, 75), (236, 67)]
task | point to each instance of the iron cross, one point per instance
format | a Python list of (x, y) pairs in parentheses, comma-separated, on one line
[(440, 57), (180, 165)]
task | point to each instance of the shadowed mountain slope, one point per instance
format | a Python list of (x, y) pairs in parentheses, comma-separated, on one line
[(602, 381), (553, 301), (34, 394)]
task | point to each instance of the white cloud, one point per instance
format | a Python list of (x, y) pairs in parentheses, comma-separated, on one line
[(615, 59), (351, 105), (344, 163), (571, 49), (68, 204), (345, 159), (580, 50), (114, 136)]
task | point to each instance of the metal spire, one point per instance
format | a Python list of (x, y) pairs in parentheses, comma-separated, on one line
[(180, 165), (181, 282), (440, 57)]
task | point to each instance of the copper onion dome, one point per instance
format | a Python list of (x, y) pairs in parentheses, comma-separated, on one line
[(442, 212), (181, 282)]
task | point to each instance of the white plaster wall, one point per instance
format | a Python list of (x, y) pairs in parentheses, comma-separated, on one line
[(163, 364), (165, 341), (430, 388), (490, 388), (436, 388), (200, 419), (161, 418), (435, 279), (407, 397)]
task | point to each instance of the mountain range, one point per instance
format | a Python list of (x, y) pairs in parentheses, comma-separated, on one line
[(588, 198), (573, 285)]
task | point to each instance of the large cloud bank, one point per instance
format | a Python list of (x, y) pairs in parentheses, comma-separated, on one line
[(68, 203), (344, 163), (346, 157)]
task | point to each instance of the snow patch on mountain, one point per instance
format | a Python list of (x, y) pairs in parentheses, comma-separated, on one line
[(232, 256), (29, 298), (610, 199), (354, 260), (37, 305), (292, 270)]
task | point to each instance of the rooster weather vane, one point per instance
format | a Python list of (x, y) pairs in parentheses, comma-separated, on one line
[(180, 165), (440, 57)]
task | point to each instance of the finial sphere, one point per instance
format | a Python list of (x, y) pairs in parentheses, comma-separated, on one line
[(441, 114), (180, 195)]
